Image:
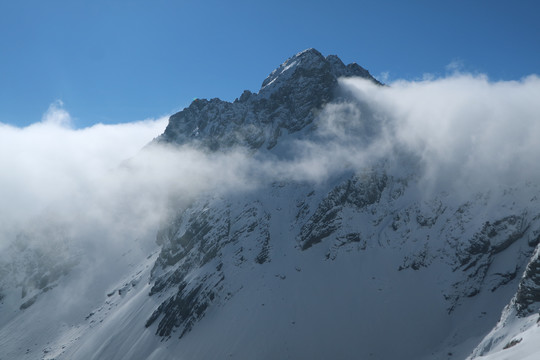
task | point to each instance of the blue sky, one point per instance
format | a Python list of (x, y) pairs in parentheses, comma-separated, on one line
[(121, 61)]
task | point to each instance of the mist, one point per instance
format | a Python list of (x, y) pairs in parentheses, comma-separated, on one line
[(465, 130), (97, 192)]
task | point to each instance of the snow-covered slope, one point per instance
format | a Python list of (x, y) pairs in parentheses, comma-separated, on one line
[(347, 270), (362, 262)]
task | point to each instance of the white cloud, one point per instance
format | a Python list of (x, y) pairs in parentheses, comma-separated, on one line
[(384, 76), (57, 115), (455, 66), (47, 161), (461, 127), (51, 170)]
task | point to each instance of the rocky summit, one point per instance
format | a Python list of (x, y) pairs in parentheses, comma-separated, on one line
[(288, 100)]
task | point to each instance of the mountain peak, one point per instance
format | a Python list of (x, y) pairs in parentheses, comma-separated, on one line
[(312, 64), (303, 83), (307, 59)]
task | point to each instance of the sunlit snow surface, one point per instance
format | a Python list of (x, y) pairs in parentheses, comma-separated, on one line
[(518, 340)]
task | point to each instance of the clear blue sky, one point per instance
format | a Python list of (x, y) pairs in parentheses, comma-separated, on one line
[(117, 61)]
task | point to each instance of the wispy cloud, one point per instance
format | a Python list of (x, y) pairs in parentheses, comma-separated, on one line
[(455, 66)]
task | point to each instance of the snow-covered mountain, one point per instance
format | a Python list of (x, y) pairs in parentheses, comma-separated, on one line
[(360, 261)]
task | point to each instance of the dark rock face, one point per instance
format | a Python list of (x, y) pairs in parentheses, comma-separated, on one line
[(492, 239), (359, 191), (475, 257), (183, 309), (193, 243), (528, 294), (288, 100)]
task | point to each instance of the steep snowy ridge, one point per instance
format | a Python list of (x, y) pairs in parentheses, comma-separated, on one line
[(528, 295), (520, 321), (365, 263)]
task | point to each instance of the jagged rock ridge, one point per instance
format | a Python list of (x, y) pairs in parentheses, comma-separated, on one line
[(288, 100)]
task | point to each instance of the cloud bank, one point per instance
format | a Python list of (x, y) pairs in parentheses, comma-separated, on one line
[(50, 163), (96, 188), (463, 128)]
